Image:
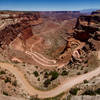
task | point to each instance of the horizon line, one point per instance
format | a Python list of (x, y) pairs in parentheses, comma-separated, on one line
[(48, 10)]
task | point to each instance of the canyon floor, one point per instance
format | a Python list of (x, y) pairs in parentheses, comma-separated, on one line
[(49, 55)]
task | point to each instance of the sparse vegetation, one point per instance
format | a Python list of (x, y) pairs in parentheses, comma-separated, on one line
[(36, 66), (81, 68), (69, 97), (36, 74), (74, 91), (5, 93), (89, 92), (98, 91), (93, 61), (86, 71), (64, 73), (16, 62), (78, 73), (34, 98), (54, 75), (2, 72), (85, 81), (38, 79), (46, 75), (47, 82), (58, 97), (8, 79), (14, 83)]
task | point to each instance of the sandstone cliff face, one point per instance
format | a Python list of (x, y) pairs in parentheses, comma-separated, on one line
[(96, 12), (87, 27), (12, 24), (31, 31), (60, 15)]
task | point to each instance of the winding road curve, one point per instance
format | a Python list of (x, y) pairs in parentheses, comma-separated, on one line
[(66, 85), (44, 62), (40, 60), (47, 63), (44, 58)]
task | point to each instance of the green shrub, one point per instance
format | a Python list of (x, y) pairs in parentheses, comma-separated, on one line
[(5, 93), (2, 72), (8, 79), (36, 66), (78, 73), (64, 73), (86, 71), (34, 98), (89, 92), (81, 68), (69, 97), (74, 91), (38, 79), (36, 74), (14, 83), (98, 91), (46, 75), (54, 75), (85, 81), (47, 82)]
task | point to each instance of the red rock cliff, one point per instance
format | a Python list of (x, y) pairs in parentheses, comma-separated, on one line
[(87, 27), (13, 24)]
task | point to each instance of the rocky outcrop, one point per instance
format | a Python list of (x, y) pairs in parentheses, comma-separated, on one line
[(13, 24), (87, 27), (96, 12)]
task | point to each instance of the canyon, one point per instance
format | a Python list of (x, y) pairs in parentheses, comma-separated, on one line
[(48, 52)]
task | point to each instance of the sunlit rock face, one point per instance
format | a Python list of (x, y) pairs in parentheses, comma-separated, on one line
[(44, 32), (14, 23), (88, 26)]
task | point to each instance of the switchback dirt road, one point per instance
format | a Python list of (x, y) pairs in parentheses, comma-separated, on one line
[(64, 86)]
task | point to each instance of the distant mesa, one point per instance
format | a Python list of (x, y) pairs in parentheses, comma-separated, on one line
[(88, 11)]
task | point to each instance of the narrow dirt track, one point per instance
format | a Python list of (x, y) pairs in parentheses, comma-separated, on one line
[(44, 58), (66, 85), (45, 63), (33, 45), (40, 60)]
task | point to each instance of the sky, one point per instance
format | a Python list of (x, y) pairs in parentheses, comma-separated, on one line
[(48, 5)]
